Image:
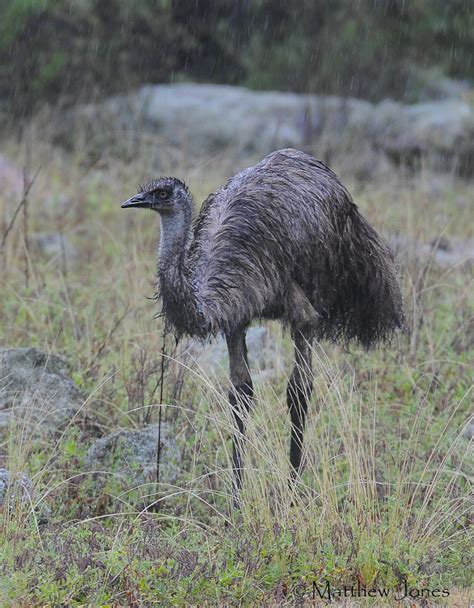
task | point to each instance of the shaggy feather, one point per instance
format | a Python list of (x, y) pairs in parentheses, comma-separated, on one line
[(288, 220)]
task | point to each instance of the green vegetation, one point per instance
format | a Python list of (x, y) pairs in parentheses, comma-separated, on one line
[(384, 496), (53, 50)]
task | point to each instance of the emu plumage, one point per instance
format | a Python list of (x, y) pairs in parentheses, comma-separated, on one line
[(281, 240)]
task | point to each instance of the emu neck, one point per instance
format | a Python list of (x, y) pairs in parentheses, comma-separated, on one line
[(175, 238), (176, 290)]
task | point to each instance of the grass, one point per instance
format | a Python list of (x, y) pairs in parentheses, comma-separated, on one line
[(384, 498)]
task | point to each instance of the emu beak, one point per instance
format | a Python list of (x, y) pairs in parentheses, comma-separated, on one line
[(137, 201)]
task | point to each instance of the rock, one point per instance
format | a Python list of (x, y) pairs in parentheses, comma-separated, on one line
[(213, 359), (265, 357), (440, 130), (131, 456), (203, 119), (54, 245), (36, 391), (20, 487), (468, 432), (11, 179), (443, 252), (211, 117), (442, 243)]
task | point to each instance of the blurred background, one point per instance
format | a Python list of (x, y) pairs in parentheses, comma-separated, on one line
[(68, 51), (85, 74)]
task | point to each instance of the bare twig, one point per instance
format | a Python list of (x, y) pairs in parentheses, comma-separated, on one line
[(26, 191), (25, 221), (110, 333), (158, 502)]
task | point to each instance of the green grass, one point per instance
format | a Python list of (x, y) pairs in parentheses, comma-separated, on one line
[(385, 493)]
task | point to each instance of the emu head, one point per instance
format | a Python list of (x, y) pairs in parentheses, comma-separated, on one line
[(165, 195)]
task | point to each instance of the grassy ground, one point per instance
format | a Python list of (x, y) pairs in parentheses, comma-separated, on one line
[(384, 497)]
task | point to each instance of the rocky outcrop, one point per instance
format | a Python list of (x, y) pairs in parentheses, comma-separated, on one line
[(36, 392), (442, 131), (205, 119)]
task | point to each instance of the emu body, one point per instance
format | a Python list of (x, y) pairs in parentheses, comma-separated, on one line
[(281, 240)]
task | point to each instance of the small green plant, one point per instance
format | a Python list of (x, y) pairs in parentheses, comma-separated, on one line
[(384, 497)]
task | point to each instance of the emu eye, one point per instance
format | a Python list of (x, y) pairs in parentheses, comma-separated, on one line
[(163, 194)]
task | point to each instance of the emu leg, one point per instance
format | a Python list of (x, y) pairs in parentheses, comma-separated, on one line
[(240, 397), (299, 391)]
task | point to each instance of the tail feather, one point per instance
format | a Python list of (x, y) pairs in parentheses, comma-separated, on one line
[(365, 302)]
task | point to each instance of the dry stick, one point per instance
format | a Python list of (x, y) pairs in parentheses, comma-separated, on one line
[(25, 228), (106, 340), (63, 254), (26, 191), (4, 227), (157, 504)]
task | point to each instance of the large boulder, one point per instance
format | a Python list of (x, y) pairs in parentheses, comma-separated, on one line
[(210, 117), (54, 246), (36, 392), (203, 119), (442, 131)]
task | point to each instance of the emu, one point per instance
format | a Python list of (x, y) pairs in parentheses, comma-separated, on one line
[(281, 240)]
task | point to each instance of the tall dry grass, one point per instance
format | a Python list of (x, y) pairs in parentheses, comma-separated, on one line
[(386, 486)]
